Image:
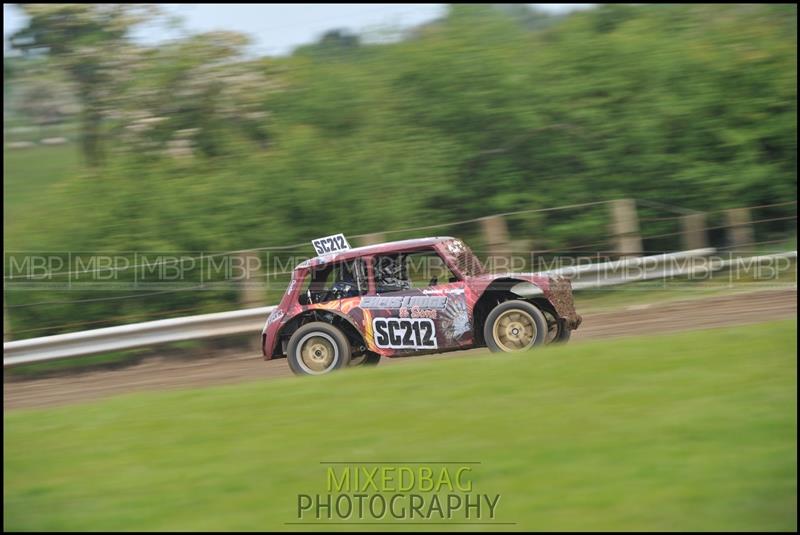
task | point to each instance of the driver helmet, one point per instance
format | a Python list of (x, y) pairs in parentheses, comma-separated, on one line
[(390, 274)]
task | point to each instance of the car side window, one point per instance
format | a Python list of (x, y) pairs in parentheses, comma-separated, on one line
[(329, 282), (404, 271), (390, 274), (426, 268)]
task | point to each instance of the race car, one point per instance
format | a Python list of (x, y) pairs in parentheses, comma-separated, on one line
[(352, 306)]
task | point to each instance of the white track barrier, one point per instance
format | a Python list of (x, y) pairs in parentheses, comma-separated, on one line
[(134, 335), (252, 320)]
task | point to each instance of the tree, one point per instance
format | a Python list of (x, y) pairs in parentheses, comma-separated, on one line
[(44, 99), (91, 43), (196, 95), (333, 44)]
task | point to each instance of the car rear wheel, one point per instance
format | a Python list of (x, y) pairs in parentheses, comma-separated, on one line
[(317, 348), (514, 326), (368, 359)]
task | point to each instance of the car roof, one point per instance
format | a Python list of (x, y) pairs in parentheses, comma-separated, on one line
[(378, 248)]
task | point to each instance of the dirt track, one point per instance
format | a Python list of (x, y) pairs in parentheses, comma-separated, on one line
[(156, 374)]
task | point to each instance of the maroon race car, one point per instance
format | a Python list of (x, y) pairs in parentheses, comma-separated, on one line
[(352, 306)]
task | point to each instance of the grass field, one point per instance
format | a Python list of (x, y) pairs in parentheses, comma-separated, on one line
[(690, 431)]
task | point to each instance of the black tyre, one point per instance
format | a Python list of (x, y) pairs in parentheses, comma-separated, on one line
[(317, 348), (557, 330), (514, 326), (368, 359), (564, 334)]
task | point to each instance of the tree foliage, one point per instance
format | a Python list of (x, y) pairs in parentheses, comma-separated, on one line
[(489, 109), (90, 42)]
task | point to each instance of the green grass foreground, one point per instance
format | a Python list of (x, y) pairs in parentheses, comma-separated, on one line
[(678, 432)]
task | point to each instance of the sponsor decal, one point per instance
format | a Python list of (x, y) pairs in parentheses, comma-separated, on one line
[(439, 291), (461, 325), (404, 333), (330, 244), (416, 312), (272, 318), (460, 320), (292, 284), (403, 301)]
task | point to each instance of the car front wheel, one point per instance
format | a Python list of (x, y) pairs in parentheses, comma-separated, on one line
[(514, 326), (557, 330)]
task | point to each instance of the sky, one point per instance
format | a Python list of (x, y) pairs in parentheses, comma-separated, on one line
[(277, 29)]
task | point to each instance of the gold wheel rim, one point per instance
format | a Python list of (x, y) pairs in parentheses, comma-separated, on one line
[(317, 353), (514, 330)]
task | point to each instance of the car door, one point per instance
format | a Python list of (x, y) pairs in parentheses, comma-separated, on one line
[(418, 304)]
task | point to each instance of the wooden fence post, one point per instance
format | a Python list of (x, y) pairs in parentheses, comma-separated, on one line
[(252, 289), (251, 295), (694, 231), (740, 229), (625, 227), (495, 232)]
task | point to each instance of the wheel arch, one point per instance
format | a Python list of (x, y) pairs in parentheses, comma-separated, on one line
[(500, 290), (333, 317)]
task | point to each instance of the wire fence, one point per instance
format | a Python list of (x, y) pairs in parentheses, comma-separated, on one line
[(518, 223)]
